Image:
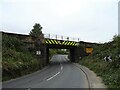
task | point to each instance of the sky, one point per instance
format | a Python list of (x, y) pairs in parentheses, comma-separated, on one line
[(89, 20)]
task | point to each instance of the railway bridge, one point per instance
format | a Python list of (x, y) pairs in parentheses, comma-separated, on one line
[(60, 42), (48, 41)]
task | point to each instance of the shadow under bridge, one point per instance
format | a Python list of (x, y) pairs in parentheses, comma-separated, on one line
[(61, 43)]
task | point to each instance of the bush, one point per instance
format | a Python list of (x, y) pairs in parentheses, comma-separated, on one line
[(9, 42), (15, 61), (109, 71)]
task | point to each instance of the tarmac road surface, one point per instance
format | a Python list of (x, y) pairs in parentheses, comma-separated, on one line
[(59, 74)]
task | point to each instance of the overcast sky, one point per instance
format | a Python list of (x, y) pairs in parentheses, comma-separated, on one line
[(90, 20)]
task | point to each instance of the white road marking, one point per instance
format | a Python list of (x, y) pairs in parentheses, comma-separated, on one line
[(53, 76), (28, 89), (61, 66)]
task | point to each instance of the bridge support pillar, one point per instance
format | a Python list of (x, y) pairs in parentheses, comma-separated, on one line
[(75, 54), (72, 55), (44, 55)]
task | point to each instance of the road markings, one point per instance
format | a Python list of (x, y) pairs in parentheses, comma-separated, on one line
[(61, 66), (28, 89), (53, 76)]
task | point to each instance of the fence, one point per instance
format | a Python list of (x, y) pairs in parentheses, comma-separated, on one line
[(59, 37)]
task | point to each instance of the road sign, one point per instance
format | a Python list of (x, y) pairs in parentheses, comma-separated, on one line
[(89, 50), (38, 52)]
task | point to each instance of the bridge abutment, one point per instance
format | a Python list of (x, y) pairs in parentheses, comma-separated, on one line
[(44, 55), (74, 54)]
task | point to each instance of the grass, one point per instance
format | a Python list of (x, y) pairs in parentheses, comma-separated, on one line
[(19, 64), (103, 69), (16, 61), (108, 71)]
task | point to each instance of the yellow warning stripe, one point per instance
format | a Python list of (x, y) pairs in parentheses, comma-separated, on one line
[(76, 44), (59, 42), (71, 43), (49, 42), (52, 41), (56, 41), (63, 43), (68, 43), (46, 42)]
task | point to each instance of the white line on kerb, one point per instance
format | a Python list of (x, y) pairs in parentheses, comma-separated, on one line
[(53, 76), (61, 66)]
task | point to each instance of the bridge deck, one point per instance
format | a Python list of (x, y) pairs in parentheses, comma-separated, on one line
[(60, 42)]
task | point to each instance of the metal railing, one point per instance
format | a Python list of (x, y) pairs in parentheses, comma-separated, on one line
[(59, 37)]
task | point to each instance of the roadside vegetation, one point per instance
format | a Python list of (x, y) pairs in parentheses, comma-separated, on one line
[(109, 71), (17, 58)]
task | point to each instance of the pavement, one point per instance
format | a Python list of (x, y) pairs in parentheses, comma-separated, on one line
[(94, 80)]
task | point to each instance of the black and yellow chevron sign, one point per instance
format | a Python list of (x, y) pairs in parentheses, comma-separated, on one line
[(60, 42)]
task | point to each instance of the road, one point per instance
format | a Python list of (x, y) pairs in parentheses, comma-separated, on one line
[(59, 74)]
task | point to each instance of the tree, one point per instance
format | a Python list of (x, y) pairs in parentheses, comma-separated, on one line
[(37, 35), (36, 31)]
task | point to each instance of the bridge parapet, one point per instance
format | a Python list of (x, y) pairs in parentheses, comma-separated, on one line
[(60, 37)]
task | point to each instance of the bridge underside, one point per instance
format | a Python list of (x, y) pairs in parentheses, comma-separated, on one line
[(73, 53), (60, 44)]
